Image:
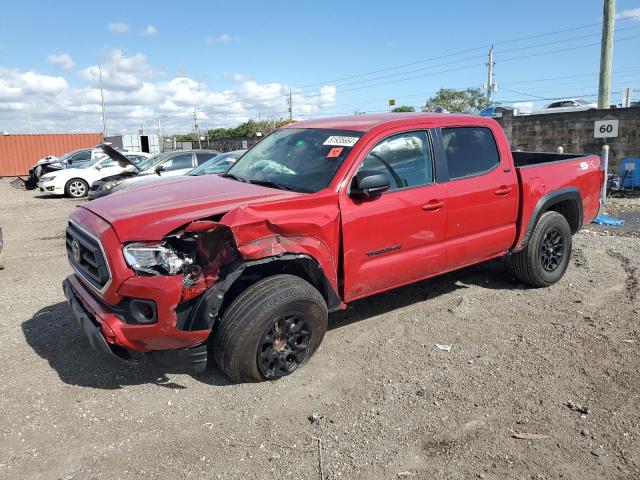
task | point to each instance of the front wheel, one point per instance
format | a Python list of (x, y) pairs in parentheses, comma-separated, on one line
[(270, 330), (546, 257), (76, 188)]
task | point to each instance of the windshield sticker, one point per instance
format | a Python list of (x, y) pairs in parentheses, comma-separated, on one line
[(335, 152), (340, 141)]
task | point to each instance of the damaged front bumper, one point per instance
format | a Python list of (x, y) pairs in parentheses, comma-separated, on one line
[(106, 333)]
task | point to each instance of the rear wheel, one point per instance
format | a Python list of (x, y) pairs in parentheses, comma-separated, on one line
[(546, 257), (76, 188), (270, 330)]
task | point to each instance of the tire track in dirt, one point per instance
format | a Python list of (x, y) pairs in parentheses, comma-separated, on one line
[(631, 271)]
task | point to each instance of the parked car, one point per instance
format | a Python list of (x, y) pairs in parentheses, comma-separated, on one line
[(567, 105), (51, 163), (246, 265), (75, 182), (170, 164), (495, 111)]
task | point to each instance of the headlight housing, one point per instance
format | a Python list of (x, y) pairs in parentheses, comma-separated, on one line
[(154, 258), (111, 184), (47, 179)]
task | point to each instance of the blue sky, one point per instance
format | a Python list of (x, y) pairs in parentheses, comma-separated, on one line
[(238, 60)]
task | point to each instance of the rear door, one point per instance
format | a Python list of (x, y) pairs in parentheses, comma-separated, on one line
[(482, 196), (399, 236)]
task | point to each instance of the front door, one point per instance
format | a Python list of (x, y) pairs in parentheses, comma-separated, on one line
[(397, 237)]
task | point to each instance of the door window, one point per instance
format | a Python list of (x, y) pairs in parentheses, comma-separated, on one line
[(178, 162), (82, 156), (203, 157), (405, 158), (469, 151)]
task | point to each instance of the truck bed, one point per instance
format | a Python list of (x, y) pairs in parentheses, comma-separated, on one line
[(526, 159)]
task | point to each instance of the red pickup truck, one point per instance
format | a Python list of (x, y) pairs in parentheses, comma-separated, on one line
[(244, 267)]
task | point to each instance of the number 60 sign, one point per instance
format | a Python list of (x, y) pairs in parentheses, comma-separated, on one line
[(605, 129)]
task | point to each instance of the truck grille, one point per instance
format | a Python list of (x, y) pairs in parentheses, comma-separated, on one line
[(86, 257)]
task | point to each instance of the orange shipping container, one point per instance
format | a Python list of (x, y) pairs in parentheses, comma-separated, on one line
[(20, 152)]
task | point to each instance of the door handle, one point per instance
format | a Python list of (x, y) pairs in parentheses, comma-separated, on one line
[(503, 190), (433, 205)]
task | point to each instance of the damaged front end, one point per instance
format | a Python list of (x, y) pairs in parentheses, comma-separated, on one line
[(196, 252)]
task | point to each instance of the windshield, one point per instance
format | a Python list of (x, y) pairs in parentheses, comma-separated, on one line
[(580, 101), (93, 162), (218, 164), (298, 159)]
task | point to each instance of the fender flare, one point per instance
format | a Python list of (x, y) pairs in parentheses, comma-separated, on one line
[(547, 201)]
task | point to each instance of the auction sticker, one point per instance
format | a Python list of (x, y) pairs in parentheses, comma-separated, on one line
[(335, 152), (340, 141)]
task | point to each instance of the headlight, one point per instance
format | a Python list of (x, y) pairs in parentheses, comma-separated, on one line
[(110, 185), (154, 259), (47, 179)]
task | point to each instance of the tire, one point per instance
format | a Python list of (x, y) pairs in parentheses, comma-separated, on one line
[(546, 256), (76, 188), (249, 336)]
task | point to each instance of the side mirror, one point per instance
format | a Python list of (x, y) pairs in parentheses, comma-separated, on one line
[(98, 167), (159, 169), (368, 183)]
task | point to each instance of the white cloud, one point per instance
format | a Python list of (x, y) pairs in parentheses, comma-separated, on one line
[(63, 61), (222, 38), (118, 27), (120, 72), (136, 92), (149, 31), (629, 13)]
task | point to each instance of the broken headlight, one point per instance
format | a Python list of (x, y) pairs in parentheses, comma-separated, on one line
[(154, 258)]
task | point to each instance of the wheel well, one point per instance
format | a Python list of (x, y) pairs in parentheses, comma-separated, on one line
[(570, 210), (299, 266), (74, 178)]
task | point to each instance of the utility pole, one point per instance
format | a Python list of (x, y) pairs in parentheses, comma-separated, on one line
[(160, 142), (290, 106), (490, 86), (195, 126), (104, 118), (606, 53)]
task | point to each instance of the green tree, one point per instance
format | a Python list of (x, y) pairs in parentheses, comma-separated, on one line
[(188, 137), (460, 101), (248, 129), (403, 108)]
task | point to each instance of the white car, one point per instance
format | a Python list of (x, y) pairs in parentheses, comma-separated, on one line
[(75, 182), (567, 105)]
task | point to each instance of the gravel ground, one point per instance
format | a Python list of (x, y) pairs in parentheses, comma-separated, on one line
[(378, 400)]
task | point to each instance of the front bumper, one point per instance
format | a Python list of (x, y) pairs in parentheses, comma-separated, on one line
[(51, 187), (108, 335)]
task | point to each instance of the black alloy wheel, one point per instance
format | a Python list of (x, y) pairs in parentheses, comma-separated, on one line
[(284, 346), (552, 250)]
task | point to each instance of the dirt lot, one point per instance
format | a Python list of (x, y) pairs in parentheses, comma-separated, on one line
[(384, 400)]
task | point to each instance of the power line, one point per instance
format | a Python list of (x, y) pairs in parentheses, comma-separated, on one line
[(484, 47), (521, 57)]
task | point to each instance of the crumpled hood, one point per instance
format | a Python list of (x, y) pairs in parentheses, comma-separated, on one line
[(150, 212)]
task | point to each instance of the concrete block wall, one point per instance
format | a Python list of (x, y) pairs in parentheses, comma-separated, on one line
[(574, 131)]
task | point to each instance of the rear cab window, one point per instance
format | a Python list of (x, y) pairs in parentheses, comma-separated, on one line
[(469, 151)]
